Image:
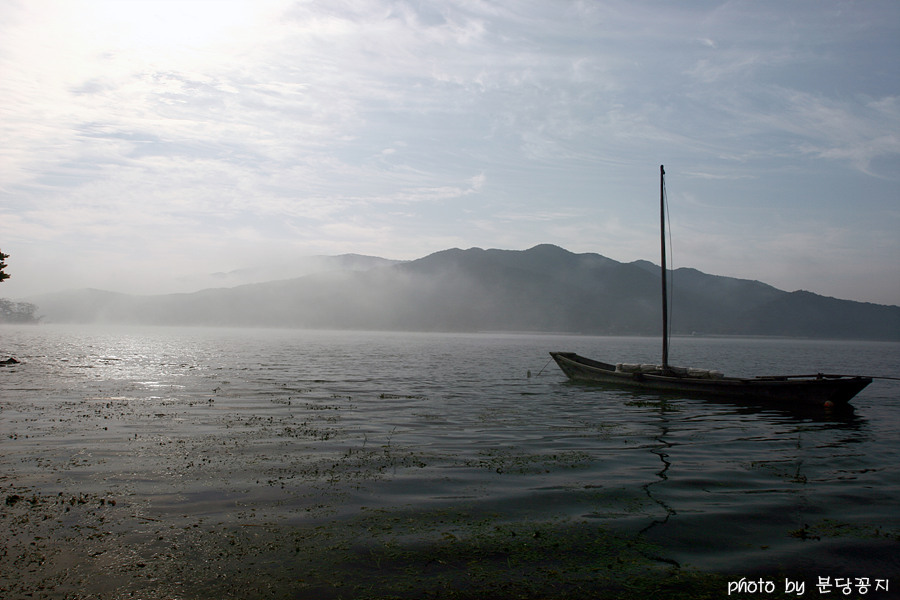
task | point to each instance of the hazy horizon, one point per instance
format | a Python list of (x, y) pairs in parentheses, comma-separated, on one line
[(149, 144), (372, 279)]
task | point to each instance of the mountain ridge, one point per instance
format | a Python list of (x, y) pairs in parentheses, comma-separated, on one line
[(544, 288)]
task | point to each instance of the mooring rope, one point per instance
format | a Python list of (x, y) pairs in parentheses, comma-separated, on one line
[(542, 370)]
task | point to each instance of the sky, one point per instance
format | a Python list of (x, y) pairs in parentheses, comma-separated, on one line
[(147, 144)]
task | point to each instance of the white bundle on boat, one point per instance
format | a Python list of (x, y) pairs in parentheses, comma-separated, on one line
[(678, 371), (638, 368), (705, 374)]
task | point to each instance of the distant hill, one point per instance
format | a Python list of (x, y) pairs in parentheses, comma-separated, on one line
[(545, 288)]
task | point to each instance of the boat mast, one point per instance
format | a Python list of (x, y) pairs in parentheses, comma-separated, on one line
[(665, 302)]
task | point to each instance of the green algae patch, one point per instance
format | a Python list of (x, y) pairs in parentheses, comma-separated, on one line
[(103, 548), (445, 553), (831, 528), (521, 463)]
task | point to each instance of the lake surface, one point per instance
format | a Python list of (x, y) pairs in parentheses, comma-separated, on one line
[(228, 463)]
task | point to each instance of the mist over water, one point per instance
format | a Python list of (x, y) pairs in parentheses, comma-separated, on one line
[(431, 441), (543, 289)]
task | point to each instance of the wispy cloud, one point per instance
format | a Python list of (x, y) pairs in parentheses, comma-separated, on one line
[(395, 127)]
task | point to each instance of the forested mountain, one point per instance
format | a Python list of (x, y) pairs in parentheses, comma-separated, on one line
[(545, 288)]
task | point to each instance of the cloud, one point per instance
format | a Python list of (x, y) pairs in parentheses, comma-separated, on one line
[(308, 125)]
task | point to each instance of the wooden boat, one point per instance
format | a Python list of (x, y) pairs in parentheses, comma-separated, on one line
[(801, 390), (818, 390)]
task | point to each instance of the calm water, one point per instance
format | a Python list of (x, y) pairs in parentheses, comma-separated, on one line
[(204, 438)]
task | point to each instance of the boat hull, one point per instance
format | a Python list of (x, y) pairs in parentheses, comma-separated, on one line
[(820, 390)]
